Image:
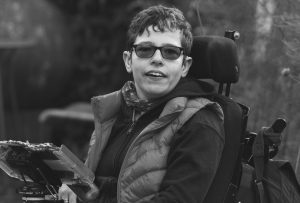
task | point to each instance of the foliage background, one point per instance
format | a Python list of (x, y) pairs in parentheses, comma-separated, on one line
[(269, 50)]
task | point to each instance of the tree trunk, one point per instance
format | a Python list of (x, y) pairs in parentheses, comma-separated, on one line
[(264, 21)]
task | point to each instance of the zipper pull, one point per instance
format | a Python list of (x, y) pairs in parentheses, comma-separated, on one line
[(132, 123)]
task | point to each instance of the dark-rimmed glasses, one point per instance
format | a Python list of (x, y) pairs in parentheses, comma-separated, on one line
[(147, 51)]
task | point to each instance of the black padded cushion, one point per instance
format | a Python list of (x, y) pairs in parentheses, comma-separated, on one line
[(216, 58)]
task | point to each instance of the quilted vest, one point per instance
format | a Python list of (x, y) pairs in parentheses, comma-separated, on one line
[(145, 163)]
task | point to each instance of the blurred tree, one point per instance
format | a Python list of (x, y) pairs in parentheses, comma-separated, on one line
[(287, 23), (35, 53), (273, 93)]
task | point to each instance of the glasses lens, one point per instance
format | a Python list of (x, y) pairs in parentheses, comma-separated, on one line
[(167, 52), (144, 51), (170, 52)]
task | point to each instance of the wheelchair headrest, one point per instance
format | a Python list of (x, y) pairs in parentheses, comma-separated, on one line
[(214, 58)]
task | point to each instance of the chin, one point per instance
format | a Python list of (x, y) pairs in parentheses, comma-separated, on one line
[(156, 94)]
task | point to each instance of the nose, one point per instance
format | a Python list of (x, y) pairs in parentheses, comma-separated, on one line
[(157, 57)]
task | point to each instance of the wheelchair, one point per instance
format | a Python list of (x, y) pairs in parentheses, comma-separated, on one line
[(215, 58)]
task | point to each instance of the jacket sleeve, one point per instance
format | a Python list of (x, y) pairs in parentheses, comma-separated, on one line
[(193, 159)]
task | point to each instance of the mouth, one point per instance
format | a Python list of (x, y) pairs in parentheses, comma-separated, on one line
[(156, 74)]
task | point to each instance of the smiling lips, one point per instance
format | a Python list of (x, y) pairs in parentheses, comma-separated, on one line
[(157, 74)]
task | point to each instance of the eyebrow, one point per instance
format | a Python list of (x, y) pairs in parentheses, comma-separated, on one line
[(151, 43)]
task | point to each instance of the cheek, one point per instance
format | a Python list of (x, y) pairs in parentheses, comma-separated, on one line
[(137, 73), (176, 73)]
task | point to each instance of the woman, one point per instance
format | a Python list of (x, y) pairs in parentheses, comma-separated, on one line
[(157, 139)]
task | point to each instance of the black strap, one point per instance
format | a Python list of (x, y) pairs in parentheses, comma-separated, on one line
[(231, 195), (258, 158)]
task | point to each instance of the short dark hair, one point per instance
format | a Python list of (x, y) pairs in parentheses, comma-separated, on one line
[(161, 18)]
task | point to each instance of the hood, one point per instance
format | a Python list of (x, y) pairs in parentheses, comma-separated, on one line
[(188, 87)]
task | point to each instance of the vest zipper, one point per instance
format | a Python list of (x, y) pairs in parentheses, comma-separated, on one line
[(129, 131)]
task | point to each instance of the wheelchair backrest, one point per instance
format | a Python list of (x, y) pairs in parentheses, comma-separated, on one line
[(216, 58)]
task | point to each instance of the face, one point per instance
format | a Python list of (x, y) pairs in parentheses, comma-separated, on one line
[(156, 76)]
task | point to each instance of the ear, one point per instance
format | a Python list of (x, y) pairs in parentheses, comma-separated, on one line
[(127, 61), (187, 62)]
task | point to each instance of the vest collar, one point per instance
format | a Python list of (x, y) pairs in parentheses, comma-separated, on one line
[(176, 104), (107, 106)]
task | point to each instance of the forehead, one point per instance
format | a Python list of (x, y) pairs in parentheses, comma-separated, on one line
[(158, 38)]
